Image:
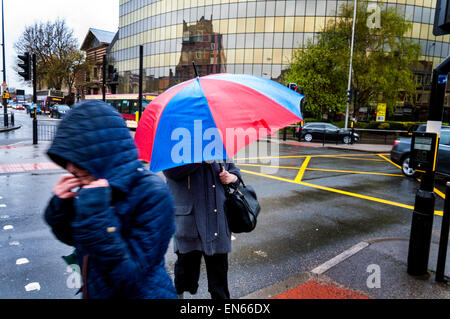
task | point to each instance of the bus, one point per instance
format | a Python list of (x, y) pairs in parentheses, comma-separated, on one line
[(46, 99), (126, 104)]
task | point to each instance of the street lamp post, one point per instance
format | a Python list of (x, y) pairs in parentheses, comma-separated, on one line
[(349, 86), (5, 101)]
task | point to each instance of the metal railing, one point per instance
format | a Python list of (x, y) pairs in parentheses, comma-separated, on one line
[(46, 129), (366, 136), (386, 137)]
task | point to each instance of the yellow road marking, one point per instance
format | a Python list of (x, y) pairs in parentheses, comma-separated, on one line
[(360, 159), (352, 172), (442, 195), (319, 169), (268, 176), (301, 172), (386, 159), (304, 156), (371, 198), (268, 166), (437, 191)]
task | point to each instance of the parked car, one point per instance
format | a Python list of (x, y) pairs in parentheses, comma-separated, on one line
[(59, 111), (19, 107), (422, 128), (400, 154), (316, 130)]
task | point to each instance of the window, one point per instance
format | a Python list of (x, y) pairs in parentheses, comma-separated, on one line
[(280, 8), (312, 126), (321, 7), (242, 9), (300, 8), (260, 8), (249, 40), (310, 7), (444, 139), (331, 127), (270, 8), (233, 13), (331, 8), (251, 9), (240, 40)]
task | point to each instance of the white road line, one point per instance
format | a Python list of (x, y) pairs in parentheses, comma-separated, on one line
[(22, 261), (339, 258), (8, 227), (2, 205), (33, 286), (4, 217), (261, 253), (14, 243)]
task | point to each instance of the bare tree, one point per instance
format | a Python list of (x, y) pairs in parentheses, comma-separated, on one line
[(56, 51)]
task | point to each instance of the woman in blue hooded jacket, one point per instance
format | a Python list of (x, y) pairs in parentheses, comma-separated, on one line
[(120, 216)]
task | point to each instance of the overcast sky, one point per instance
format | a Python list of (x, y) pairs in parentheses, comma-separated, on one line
[(80, 15)]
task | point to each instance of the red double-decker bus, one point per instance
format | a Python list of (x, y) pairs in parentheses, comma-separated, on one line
[(48, 98), (126, 104)]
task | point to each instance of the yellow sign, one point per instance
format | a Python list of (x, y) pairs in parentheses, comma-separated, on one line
[(381, 112), (6, 95)]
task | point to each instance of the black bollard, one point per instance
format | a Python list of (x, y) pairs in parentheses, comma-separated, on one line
[(421, 228), (35, 129), (443, 242)]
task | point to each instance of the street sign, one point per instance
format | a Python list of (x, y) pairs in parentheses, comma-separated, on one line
[(6, 95), (381, 112)]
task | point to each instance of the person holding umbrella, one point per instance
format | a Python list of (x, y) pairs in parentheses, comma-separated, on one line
[(217, 109), (201, 225)]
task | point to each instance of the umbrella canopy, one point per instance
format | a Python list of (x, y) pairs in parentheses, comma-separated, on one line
[(202, 119)]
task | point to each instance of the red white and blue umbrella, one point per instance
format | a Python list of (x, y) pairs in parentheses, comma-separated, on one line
[(198, 120)]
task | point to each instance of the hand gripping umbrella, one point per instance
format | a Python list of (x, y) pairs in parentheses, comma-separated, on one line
[(205, 119)]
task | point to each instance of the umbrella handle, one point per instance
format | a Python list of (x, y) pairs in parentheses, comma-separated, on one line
[(221, 167)]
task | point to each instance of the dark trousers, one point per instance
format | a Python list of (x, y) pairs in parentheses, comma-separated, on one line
[(187, 273)]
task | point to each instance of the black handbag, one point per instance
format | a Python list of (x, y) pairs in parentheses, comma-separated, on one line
[(241, 207)]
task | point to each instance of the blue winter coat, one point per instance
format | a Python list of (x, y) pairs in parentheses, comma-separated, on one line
[(121, 233)]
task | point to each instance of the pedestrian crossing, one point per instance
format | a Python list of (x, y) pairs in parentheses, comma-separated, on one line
[(19, 168)]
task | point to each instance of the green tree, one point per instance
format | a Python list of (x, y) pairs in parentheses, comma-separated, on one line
[(382, 61)]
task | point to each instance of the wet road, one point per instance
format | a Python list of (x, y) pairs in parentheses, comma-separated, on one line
[(315, 203)]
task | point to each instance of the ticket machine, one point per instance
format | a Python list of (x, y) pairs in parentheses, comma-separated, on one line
[(424, 148)]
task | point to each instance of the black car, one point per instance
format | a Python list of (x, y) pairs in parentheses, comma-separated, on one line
[(319, 131), (422, 128), (59, 111), (400, 154)]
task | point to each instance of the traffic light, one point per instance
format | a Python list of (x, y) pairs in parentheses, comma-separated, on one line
[(355, 95), (26, 66), (442, 18), (349, 96), (292, 86), (112, 73)]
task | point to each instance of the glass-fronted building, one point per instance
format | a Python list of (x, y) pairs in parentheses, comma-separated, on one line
[(237, 36)]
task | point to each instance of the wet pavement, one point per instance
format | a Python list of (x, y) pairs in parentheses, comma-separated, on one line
[(316, 204)]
